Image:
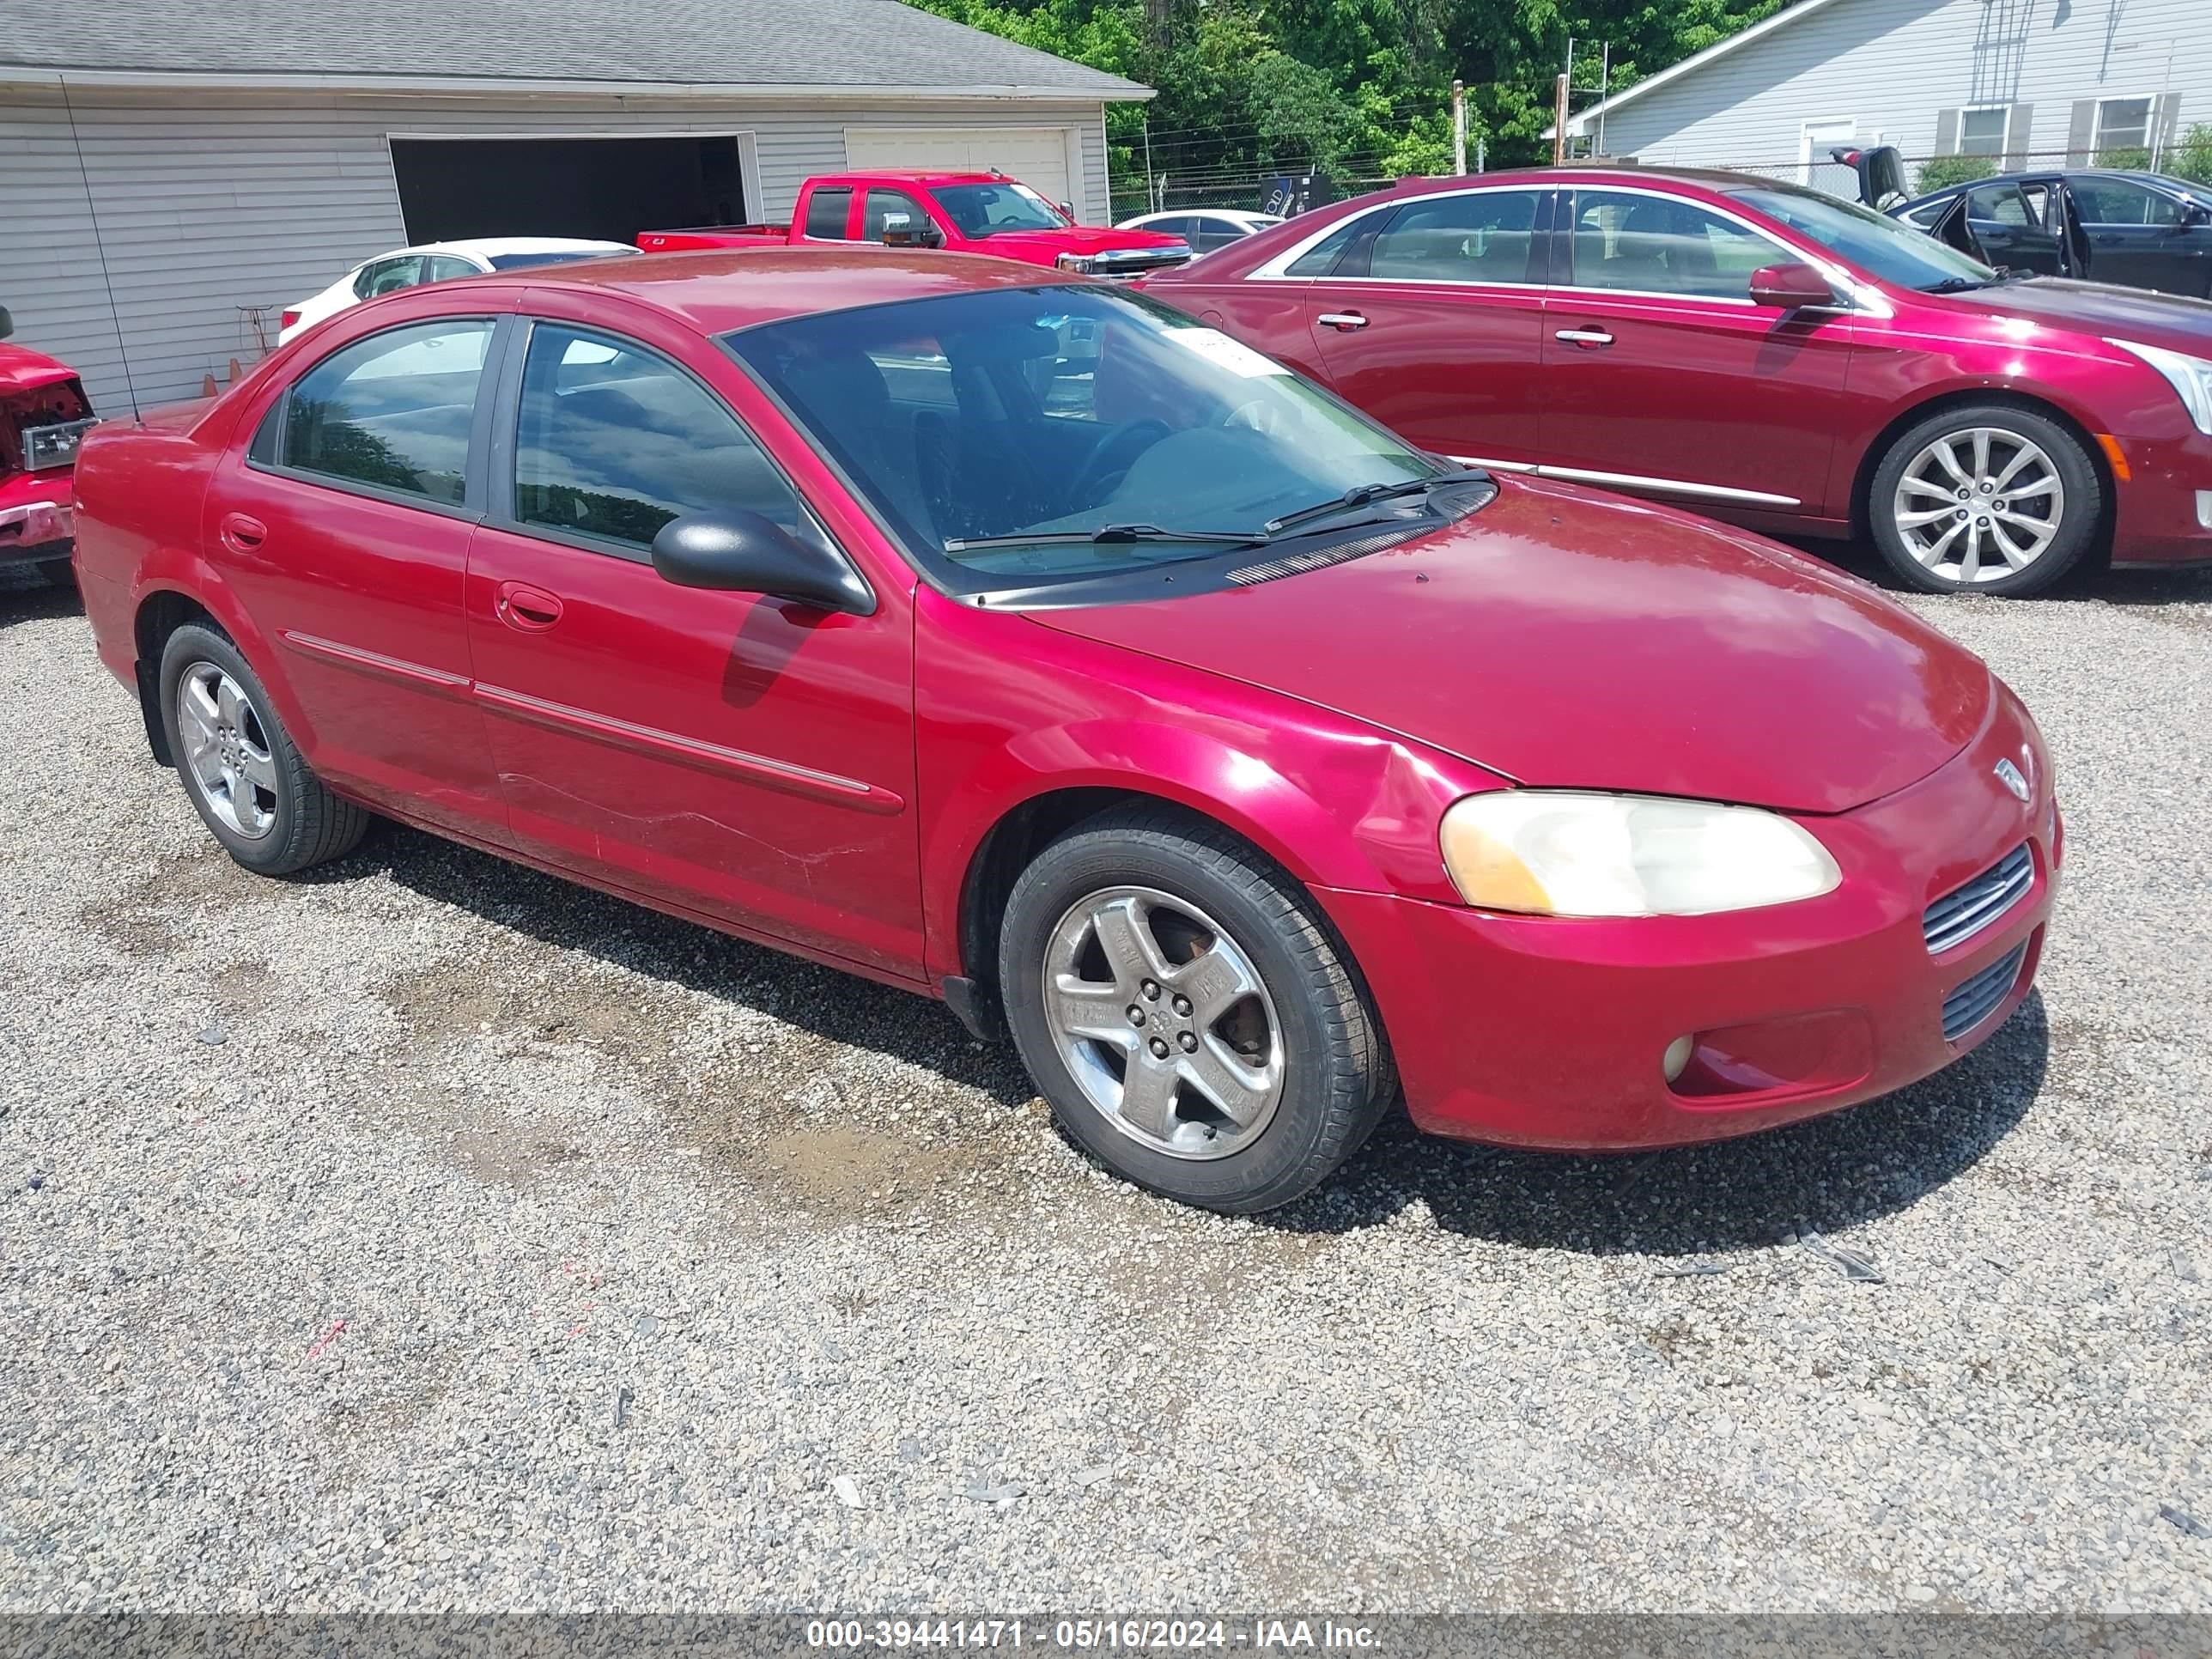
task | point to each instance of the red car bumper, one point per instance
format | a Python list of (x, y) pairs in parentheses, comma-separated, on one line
[(38, 519), (1549, 1032), (2164, 508)]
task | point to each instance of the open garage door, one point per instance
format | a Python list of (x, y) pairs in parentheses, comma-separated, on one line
[(1040, 157), (608, 189)]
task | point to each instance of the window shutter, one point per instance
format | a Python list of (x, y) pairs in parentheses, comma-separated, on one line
[(2165, 125), (1946, 132), (2020, 130), (2081, 132)]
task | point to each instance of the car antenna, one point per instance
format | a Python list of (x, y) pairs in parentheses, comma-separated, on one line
[(100, 251)]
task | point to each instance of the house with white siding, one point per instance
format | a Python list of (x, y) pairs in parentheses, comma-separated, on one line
[(2022, 82), (173, 173)]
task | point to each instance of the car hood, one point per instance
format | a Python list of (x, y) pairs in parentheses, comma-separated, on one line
[(24, 370), (1568, 639), (2099, 308)]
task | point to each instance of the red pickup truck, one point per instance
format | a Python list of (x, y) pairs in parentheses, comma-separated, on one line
[(966, 212), (43, 414)]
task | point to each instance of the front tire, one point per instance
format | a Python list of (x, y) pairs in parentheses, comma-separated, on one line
[(240, 766), (1986, 498), (1187, 1014)]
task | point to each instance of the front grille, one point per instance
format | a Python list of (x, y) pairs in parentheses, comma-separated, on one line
[(1958, 915), (1972, 1002)]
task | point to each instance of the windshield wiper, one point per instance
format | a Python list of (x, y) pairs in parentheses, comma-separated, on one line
[(1956, 285), (1358, 495), (1105, 532)]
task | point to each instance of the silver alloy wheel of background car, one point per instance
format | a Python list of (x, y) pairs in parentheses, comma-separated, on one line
[(226, 750), (1163, 1021), (1979, 504)]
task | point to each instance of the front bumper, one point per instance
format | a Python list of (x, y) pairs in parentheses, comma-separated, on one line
[(2165, 506), (38, 517), (1548, 1032)]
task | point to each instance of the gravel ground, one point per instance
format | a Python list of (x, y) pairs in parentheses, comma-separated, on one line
[(426, 1233)]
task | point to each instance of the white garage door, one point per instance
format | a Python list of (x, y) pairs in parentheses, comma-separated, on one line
[(1038, 156)]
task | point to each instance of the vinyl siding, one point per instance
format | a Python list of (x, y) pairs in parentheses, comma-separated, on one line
[(1901, 67), (209, 202)]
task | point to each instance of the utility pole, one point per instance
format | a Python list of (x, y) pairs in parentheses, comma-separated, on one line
[(1150, 193), (1559, 122), (1604, 88), (1459, 128)]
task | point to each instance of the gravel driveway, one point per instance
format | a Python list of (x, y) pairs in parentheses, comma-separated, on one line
[(429, 1234)]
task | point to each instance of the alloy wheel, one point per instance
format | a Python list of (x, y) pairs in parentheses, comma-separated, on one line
[(226, 749), (1163, 1021), (1978, 505)]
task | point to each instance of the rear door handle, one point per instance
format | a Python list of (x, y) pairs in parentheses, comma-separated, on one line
[(1590, 338), (240, 533), (531, 610), (1344, 322)]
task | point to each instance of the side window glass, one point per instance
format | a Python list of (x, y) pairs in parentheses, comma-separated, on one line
[(1459, 238), (826, 212), (882, 205), (263, 450), (614, 441), (1999, 204), (1657, 245), (446, 269), (2116, 202), (390, 275), (1321, 258), (392, 410)]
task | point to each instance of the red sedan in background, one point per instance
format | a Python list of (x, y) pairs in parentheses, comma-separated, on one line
[(1762, 352), (1019, 640)]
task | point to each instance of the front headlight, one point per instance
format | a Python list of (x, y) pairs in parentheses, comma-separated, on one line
[(1566, 853), (2190, 377), (1077, 262)]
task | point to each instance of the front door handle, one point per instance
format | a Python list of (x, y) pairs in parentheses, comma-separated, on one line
[(1588, 338), (531, 610), (240, 533), (1344, 322)]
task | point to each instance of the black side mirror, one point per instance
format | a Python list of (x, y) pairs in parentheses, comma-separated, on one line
[(742, 552), (6, 323), (901, 231), (2192, 213)]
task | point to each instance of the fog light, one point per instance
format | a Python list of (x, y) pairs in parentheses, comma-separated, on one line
[(2204, 508), (1677, 1057)]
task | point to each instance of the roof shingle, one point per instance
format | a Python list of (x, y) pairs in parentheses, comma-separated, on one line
[(846, 44)]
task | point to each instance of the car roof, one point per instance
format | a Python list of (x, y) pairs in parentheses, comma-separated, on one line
[(739, 287), (915, 176), (488, 248), (2130, 175)]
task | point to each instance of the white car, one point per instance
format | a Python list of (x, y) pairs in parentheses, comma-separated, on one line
[(437, 262), (1204, 228)]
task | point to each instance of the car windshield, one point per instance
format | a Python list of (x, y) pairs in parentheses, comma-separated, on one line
[(1056, 412), (983, 210), (1876, 244), (556, 257)]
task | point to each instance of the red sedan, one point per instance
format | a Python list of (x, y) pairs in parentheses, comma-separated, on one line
[(1020, 642), (1762, 352)]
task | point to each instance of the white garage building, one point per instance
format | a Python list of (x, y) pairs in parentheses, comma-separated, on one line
[(173, 171)]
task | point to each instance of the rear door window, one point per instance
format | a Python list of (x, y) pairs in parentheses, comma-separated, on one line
[(827, 214), (1485, 238), (391, 412), (613, 441)]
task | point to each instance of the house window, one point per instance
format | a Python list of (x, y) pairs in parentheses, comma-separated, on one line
[(1982, 131), (2123, 126)]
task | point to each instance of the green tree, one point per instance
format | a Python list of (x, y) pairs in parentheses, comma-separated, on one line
[(2192, 159)]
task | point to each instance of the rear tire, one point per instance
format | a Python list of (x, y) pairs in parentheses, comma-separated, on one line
[(239, 764), (1180, 1004), (1984, 498)]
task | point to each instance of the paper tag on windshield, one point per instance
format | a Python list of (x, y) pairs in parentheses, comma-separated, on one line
[(1234, 355)]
